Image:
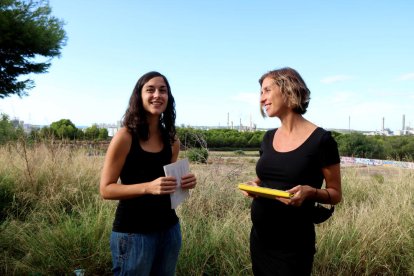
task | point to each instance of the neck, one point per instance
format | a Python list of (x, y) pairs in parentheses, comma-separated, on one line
[(153, 125), (291, 122)]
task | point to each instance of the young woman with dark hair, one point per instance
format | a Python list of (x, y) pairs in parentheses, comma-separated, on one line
[(146, 235)]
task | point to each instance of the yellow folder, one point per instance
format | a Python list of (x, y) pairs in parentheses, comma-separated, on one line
[(264, 192)]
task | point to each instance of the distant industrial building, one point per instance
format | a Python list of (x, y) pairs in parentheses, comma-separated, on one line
[(112, 128)]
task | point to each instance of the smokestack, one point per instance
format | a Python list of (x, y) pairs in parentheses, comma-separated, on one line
[(403, 122), (383, 122), (228, 119)]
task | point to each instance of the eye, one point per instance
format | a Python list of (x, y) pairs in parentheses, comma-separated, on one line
[(150, 90)]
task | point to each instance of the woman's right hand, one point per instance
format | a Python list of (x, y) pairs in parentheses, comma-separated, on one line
[(162, 185), (253, 183)]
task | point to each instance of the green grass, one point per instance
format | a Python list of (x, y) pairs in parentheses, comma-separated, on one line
[(53, 220)]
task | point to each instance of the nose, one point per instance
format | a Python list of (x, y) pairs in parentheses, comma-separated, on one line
[(262, 98), (157, 93)]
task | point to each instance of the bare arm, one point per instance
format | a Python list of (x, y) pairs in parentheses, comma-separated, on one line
[(332, 176), (114, 161), (175, 150)]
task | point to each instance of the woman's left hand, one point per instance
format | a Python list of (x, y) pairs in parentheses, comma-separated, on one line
[(188, 181), (300, 193)]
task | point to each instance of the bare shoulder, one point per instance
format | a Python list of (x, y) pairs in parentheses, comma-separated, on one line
[(309, 127), (123, 133), (122, 140), (176, 142)]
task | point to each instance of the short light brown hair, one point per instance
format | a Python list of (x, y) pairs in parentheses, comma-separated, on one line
[(292, 86)]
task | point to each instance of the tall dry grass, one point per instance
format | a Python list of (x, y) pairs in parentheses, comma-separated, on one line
[(53, 220), (372, 232), (215, 221)]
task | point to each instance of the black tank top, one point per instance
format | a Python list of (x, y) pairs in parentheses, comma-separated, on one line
[(147, 213)]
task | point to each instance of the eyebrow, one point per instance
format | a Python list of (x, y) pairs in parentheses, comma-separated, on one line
[(270, 85), (265, 87), (153, 86)]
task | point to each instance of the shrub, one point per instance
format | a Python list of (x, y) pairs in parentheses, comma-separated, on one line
[(198, 155)]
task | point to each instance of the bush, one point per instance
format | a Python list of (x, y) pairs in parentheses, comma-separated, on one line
[(239, 152), (197, 155), (8, 130)]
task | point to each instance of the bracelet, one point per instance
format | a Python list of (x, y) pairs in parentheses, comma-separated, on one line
[(329, 196)]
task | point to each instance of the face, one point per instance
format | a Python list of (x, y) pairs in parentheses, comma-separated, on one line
[(155, 96), (271, 98)]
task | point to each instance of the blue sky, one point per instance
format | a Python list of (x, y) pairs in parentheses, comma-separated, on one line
[(356, 57)]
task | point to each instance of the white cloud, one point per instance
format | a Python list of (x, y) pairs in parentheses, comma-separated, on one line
[(404, 77), (337, 78)]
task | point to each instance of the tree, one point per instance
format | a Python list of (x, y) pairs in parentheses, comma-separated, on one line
[(96, 133), (64, 129), (92, 133), (359, 145), (103, 134), (400, 147), (30, 38), (8, 132)]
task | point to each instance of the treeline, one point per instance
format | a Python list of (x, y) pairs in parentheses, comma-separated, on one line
[(356, 144), (350, 144), (221, 139), (63, 129)]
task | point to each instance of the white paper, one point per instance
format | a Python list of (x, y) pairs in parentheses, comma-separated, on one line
[(178, 169)]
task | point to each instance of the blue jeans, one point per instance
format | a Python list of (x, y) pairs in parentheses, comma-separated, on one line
[(146, 254)]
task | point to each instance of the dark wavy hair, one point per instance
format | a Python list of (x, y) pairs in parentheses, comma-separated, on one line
[(292, 86), (135, 117)]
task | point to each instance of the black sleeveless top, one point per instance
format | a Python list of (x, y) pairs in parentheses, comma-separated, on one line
[(273, 221), (147, 213)]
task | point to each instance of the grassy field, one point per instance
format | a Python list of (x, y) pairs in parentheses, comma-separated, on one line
[(53, 220)]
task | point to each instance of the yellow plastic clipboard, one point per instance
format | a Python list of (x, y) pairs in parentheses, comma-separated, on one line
[(264, 192)]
